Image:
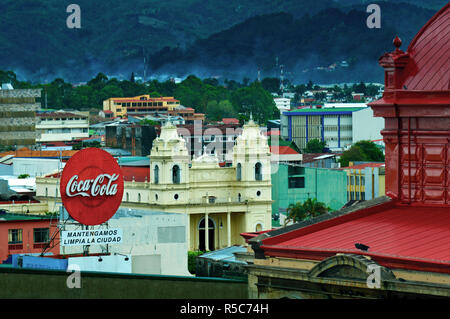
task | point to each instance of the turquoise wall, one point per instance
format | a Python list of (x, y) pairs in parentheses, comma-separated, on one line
[(326, 185)]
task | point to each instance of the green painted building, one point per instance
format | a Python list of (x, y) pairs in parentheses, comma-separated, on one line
[(294, 183)]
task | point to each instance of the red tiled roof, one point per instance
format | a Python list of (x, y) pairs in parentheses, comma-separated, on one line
[(282, 150), (26, 152), (251, 235), (140, 174), (410, 237), (230, 121), (138, 99), (428, 67), (60, 115)]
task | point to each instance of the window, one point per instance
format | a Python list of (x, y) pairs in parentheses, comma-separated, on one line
[(139, 197), (363, 180), (296, 182), (357, 195), (363, 195), (239, 172), (258, 171), (41, 235), (14, 236), (357, 180), (156, 173), (296, 170), (352, 180), (176, 174)]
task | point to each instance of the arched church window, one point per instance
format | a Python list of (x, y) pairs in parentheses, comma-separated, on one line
[(156, 173), (176, 174), (239, 172), (258, 171)]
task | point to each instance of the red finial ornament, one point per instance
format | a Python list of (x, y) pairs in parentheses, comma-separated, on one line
[(397, 43)]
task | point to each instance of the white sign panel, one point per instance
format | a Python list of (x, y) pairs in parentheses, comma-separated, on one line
[(91, 237)]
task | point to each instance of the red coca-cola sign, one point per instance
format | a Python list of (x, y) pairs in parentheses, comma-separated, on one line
[(91, 186)]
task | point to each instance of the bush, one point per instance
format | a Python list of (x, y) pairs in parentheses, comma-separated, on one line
[(192, 255)]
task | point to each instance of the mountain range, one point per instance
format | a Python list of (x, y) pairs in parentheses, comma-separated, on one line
[(306, 40)]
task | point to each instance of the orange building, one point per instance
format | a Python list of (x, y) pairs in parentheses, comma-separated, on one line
[(120, 106), (144, 104), (27, 234)]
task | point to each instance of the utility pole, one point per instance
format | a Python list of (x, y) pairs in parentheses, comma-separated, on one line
[(143, 53)]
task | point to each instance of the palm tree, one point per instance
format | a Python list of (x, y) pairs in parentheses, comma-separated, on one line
[(306, 210)]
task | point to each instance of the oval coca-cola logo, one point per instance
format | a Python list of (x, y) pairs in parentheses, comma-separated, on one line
[(91, 186)]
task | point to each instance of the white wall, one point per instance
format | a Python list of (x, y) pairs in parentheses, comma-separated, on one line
[(113, 263), (147, 235), (366, 126), (35, 166)]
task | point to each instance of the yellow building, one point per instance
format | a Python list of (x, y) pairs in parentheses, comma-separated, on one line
[(120, 105), (232, 199), (365, 181)]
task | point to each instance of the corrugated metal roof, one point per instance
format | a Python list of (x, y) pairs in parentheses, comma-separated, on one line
[(428, 67), (402, 232), (225, 254)]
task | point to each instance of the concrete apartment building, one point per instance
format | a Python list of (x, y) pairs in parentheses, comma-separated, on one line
[(18, 115), (61, 126), (282, 103), (339, 127), (120, 105), (146, 105)]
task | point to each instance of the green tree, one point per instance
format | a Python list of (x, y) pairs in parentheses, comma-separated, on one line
[(315, 146), (363, 151), (217, 111), (81, 145), (148, 122), (256, 101), (98, 82), (303, 211)]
